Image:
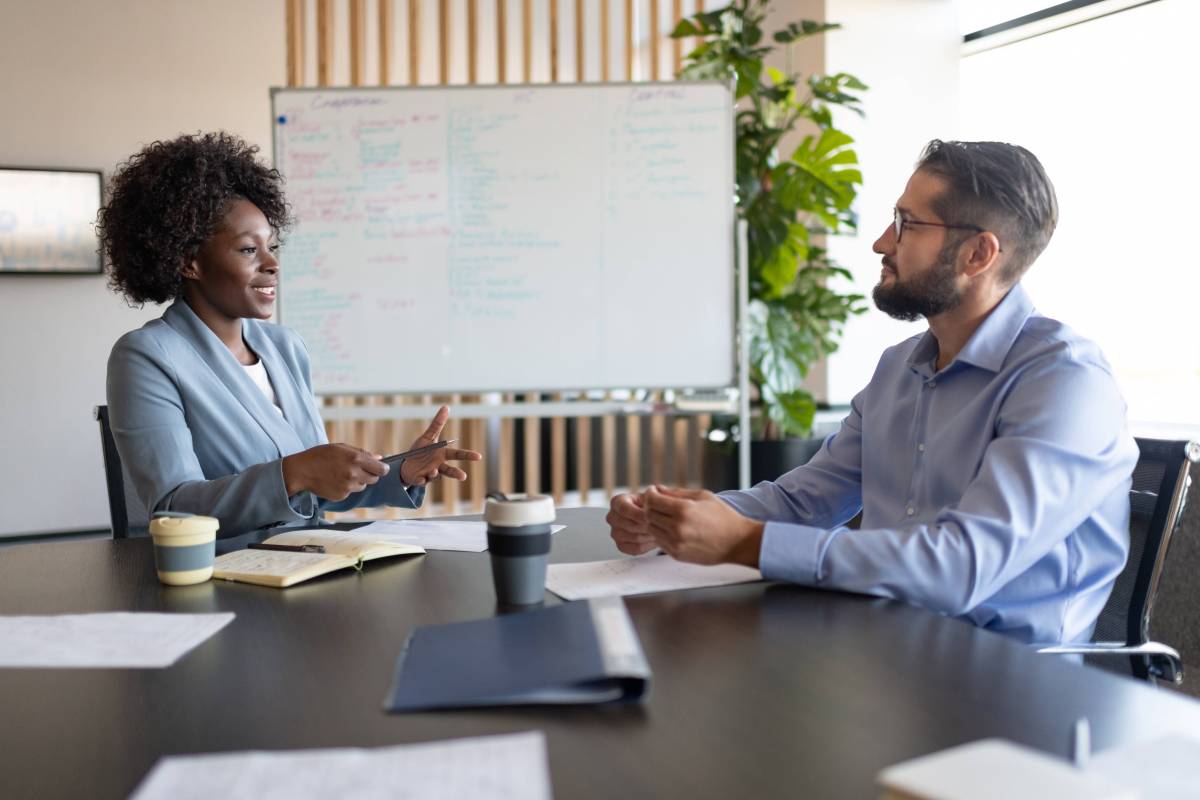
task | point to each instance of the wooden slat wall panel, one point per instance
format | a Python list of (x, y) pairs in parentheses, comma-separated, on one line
[(295, 42), (414, 42), (579, 51), (443, 41), (629, 44), (558, 456), (680, 441), (533, 450), (527, 41), (472, 41), (633, 452), (676, 44), (654, 40), (553, 41), (477, 474), (418, 428), (604, 40), (325, 32), (583, 458), (453, 430), (358, 35), (700, 450), (658, 445), (608, 454), (506, 480), (385, 41), (502, 42)]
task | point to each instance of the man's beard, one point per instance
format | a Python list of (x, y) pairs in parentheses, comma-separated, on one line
[(927, 295)]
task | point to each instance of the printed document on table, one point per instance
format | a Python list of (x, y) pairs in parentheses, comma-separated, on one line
[(467, 536), (107, 641), (507, 767), (642, 575), (1161, 769)]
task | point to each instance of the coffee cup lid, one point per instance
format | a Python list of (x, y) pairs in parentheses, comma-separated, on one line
[(519, 509), (182, 525)]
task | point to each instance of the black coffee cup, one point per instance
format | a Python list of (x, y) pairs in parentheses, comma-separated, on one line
[(518, 532)]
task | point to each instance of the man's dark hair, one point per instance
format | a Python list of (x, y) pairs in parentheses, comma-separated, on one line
[(999, 187), (166, 200)]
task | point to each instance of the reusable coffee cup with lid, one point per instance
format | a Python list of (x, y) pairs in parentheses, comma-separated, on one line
[(518, 532), (184, 547)]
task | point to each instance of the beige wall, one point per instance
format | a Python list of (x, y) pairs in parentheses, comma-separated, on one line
[(86, 83)]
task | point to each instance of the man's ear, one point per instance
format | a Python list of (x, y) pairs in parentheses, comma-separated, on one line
[(982, 254)]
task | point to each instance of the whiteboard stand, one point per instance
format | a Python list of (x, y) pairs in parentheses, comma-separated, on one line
[(743, 361)]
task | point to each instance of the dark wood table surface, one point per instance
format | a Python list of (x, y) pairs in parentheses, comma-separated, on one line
[(760, 690)]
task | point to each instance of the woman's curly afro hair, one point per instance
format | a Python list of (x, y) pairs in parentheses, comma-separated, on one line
[(165, 201)]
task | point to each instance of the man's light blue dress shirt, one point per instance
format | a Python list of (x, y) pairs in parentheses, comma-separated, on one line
[(996, 489)]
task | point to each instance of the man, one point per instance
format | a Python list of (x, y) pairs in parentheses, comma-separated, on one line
[(989, 455)]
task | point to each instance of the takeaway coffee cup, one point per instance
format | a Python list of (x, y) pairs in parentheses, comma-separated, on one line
[(518, 531), (184, 547)]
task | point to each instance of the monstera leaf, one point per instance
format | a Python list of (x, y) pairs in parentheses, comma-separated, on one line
[(795, 316)]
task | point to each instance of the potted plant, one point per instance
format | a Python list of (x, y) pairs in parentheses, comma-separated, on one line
[(788, 201)]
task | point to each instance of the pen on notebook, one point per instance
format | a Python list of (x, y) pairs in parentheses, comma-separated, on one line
[(289, 548), (417, 451)]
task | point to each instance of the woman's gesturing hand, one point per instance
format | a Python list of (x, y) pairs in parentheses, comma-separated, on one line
[(420, 469)]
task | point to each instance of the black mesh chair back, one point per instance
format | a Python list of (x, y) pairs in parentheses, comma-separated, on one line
[(120, 502), (1156, 499)]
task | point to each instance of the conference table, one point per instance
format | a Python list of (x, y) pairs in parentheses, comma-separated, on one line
[(759, 690)]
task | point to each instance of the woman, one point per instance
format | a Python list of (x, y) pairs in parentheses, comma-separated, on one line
[(212, 409)]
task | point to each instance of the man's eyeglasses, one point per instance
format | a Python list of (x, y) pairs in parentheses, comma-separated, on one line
[(900, 223)]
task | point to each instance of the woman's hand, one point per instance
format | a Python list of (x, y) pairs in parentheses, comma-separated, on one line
[(421, 469), (332, 471)]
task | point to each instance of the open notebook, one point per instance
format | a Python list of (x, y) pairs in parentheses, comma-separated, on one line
[(280, 568)]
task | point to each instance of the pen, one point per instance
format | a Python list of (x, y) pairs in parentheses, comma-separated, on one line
[(290, 548), (417, 451)]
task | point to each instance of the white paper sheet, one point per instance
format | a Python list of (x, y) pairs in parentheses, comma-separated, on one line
[(996, 769), (464, 536), (1164, 769), (108, 641), (508, 767), (642, 575)]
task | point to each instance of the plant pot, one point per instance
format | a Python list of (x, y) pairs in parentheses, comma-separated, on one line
[(768, 460)]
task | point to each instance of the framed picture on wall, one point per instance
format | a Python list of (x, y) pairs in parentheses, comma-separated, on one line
[(48, 221)]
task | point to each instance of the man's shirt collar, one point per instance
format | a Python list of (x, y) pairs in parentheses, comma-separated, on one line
[(989, 345)]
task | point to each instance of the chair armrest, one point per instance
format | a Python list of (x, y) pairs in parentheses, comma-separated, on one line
[(1164, 661)]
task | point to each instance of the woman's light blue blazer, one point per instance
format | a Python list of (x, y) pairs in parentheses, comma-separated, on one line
[(196, 434)]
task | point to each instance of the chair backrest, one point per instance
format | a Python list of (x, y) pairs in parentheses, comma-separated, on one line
[(1156, 498), (120, 504)]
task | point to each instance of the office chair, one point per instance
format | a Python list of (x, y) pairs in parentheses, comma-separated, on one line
[(119, 501), (1156, 498)]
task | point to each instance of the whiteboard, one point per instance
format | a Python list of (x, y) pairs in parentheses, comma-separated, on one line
[(463, 239)]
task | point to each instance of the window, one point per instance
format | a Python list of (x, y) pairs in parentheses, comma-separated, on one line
[(1106, 105)]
